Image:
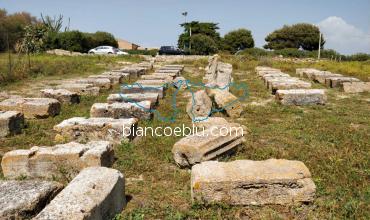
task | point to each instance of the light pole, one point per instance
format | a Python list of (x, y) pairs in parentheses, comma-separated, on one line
[(319, 53), (185, 14)]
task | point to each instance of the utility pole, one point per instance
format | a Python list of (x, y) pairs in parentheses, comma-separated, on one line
[(190, 41), (319, 53), (185, 14)]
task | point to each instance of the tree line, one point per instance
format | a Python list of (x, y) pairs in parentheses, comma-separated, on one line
[(25, 33)]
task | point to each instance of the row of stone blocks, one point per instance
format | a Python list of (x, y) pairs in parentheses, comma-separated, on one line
[(333, 80), (95, 193), (290, 90)]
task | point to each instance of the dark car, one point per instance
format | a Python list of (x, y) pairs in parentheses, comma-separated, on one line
[(170, 50)]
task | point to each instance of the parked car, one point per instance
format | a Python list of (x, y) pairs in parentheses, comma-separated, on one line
[(107, 50), (121, 52), (170, 50)]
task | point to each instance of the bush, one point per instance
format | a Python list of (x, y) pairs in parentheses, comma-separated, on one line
[(256, 52), (238, 40), (104, 38), (359, 57), (202, 45), (72, 41)]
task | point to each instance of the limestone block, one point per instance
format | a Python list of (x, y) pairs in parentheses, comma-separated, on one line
[(207, 144), (130, 89), (140, 110), (24, 199), (57, 161), (199, 105), (301, 97), (95, 193), (134, 97), (81, 88), (247, 182), (32, 107), (11, 122), (94, 129), (356, 87), (62, 95), (226, 100)]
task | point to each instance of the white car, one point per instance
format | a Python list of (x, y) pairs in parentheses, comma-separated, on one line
[(106, 50)]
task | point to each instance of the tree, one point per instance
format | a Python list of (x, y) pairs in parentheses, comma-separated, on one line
[(105, 38), (305, 36), (238, 40), (205, 28), (12, 28), (34, 39), (72, 41), (203, 45)]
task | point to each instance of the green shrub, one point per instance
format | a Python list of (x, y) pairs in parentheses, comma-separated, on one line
[(238, 40), (202, 45), (256, 52), (72, 41)]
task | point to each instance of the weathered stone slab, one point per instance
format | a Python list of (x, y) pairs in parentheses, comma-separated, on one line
[(113, 78), (95, 193), (174, 66), (227, 101), (155, 82), (211, 69), (247, 182), (210, 122), (81, 88), (167, 79), (207, 144), (356, 87), (57, 161), (140, 110), (62, 95), (306, 72), (180, 82), (134, 71), (11, 122), (172, 75), (320, 77), (94, 129), (286, 85), (199, 105), (102, 83), (134, 97), (123, 76), (128, 89), (334, 82), (24, 199), (32, 107), (175, 71), (223, 75), (301, 97)]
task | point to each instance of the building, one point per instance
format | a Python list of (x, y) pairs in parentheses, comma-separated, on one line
[(125, 45)]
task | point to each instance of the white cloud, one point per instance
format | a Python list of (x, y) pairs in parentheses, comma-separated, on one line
[(343, 37)]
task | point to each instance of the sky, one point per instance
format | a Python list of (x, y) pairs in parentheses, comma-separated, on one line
[(152, 23)]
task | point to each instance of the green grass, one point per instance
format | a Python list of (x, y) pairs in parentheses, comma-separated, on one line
[(47, 66), (332, 140)]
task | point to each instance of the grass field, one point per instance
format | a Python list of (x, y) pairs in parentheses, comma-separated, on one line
[(332, 140)]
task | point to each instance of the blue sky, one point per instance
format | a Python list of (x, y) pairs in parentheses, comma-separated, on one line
[(150, 23)]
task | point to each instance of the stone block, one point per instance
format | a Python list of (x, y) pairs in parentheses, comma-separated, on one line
[(226, 100), (95, 193), (11, 123), (199, 105), (356, 87), (58, 161), (209, 122), (24, 199), (113, 78), (134, 97), (154, 82), (102, 83), (207, 144), (62, 95), (140, 110), (247, 182), (143, 89), (289, 84), (32, 107), (94, 129), (334, 82), (81, 88), (301, 97)]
